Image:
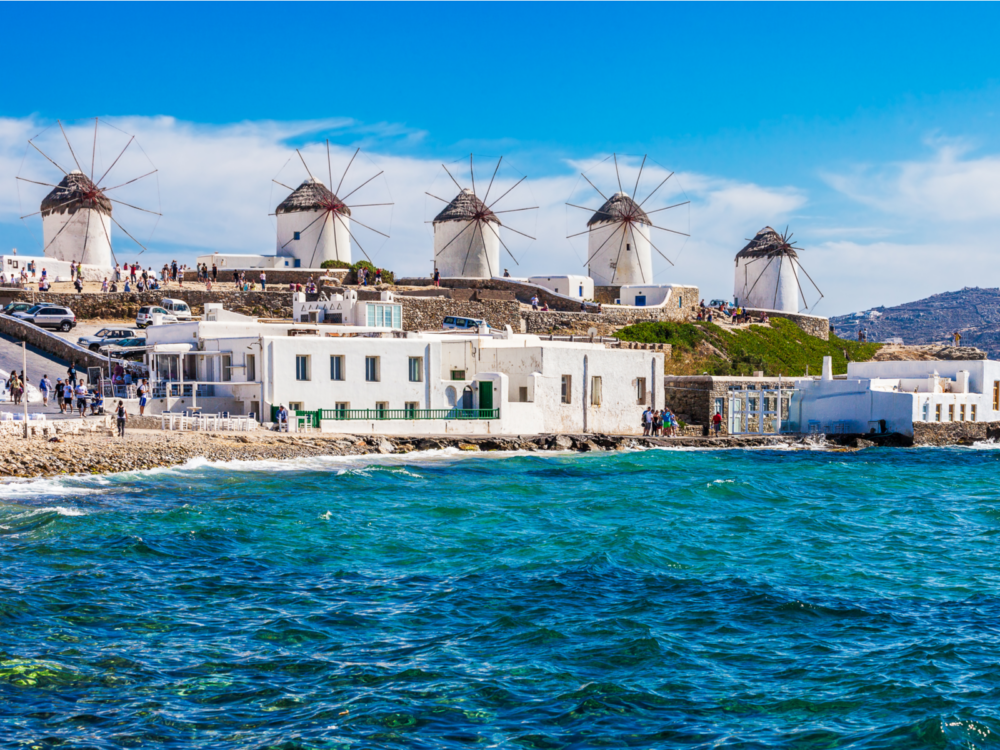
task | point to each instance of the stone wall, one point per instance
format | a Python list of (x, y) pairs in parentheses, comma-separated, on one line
[(125, 305), (428, 313), (811, 324), (522, 292), (276, 275), (954, 433), (50, 343), (609, 320)]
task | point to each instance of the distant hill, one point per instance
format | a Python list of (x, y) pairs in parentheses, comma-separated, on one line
[(973, 312)]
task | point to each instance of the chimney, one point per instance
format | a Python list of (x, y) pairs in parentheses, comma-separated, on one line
[(827, 368)]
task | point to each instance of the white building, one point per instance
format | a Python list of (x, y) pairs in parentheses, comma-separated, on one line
[(618, 243), (467, 239), (240, 262), (766, 276), (656, 295), (76, 225), (313, 226), (893, 396), (369, 380), (55, 270), (346, 309), (575, 287)]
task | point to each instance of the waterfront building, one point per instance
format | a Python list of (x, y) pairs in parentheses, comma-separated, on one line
[(382, 380), (896, 396)]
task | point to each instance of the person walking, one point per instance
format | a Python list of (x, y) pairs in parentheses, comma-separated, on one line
[(437, 277), (263, 281), (45, 386), (71, 373), (142, 392), (378, 276), (15, 387), (67, 397), (121, 416), (534, 302), (58, 393), (282, 418), (81, 399), (717, 423)]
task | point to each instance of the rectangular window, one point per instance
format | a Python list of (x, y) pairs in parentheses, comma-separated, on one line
[(640, 390), (295, 406), (595, 390), (297, 236), (972, 413), (371, 369), (458, 374), (397, 316), (336, 367), (567, 389), (251, 368), (927, 411), (951, 412), (937, 412), (522, 394), (416, 369), (227, 368), (411, 409), (302, 367), (381, 407), (961, 413)]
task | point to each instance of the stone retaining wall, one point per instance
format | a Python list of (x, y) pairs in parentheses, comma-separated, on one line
[(954, 433), (811, 324), (125, 305), (428, 313), (52, 344)]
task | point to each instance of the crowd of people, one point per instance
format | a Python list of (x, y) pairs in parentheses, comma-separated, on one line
[(728, 312), (659, 422)]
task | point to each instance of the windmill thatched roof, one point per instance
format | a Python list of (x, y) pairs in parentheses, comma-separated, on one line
[(75, 192), (619, 206), (311, 195), (767, 243), (465, 207)]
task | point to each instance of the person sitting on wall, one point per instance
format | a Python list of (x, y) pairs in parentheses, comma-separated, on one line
[(97, 403), (506, 273)]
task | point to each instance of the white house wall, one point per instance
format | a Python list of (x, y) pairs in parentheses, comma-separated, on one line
[(767, 283), (69, 244), (625, 257), (480, 245), (567, 286), (320, 239)]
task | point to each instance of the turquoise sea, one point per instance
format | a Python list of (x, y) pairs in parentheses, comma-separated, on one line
[(658, 599)]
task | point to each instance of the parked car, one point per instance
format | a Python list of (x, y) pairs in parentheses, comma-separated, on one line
[(106, 336), (124, 344), (14, 307), (144, 317), (465, 324), (49, 316), (176, 307)]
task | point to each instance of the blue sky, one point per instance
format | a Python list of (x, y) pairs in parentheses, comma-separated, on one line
[(870, 128)]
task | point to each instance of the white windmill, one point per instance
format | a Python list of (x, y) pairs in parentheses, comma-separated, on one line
[(314, 224), (78, 212), (767, 274), (467, 232), (620, 234)]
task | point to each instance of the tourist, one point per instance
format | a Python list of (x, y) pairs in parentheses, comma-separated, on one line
[(647, 420), (263, 281), (78, 284), (114, 287), (97, 403), (534, 302), (142, 392), (71, 373), (545, 307), (378, 276), (173, 270), (208, 285), (215, 273), (121, 415), (58, 393), (583, 307), (67, 397), (958, 338), (72, 271), (128, 287), (717, 423), (118, 272), (437, 277), (104, 285), (81, 399), (282, 418), (45, 386), (674, 424), (506, 273), (14, 385)]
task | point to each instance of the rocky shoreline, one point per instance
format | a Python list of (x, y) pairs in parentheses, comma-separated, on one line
[(91, 453)]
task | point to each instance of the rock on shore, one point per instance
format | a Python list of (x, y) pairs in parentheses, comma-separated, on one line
[(104, 454)]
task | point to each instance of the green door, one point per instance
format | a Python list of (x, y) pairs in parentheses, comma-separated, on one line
[(485, 394)]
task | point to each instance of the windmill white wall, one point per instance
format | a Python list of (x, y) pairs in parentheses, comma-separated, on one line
[(326, 239), (85, 239), (479, 244), (767, 283), (632, 265)]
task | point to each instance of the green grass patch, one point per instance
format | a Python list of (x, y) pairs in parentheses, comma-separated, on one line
[(779, 349)]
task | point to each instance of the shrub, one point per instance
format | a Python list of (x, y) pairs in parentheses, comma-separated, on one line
[(335, 264)]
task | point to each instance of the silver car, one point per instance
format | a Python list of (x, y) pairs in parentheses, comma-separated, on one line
[(106, 336), (49, 316)]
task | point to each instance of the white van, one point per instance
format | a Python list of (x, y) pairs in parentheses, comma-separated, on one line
[(453, 322), (176, 307)]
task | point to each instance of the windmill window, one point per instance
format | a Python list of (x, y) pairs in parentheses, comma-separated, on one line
[(297, 236), (628, 247)]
